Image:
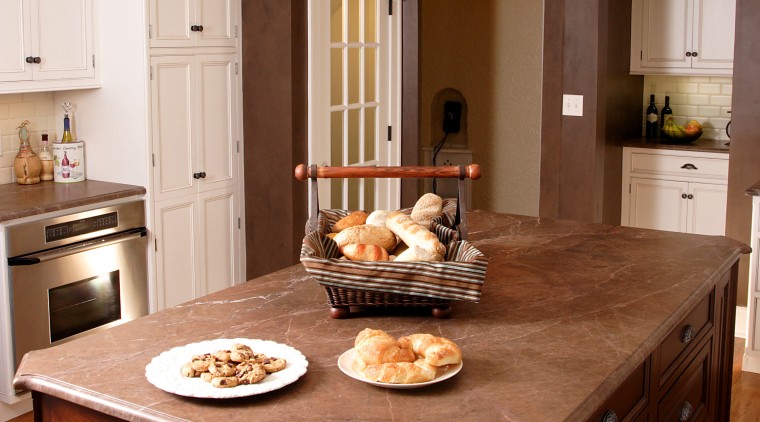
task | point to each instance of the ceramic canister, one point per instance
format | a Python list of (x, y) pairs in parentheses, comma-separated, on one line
[(68, 162)]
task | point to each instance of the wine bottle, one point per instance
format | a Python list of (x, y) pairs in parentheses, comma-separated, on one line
[(65, 169), (66, 138), (666, 111), (652, 119)]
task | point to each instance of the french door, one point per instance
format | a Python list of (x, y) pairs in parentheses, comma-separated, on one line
[(354, 98)]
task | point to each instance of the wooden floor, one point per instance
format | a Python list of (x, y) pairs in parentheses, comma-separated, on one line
[(745, 393)]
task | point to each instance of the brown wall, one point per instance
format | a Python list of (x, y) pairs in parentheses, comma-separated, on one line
[(586, 53), (743, 169), (274, 115)]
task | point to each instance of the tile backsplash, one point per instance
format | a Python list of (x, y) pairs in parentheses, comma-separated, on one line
[(39, 109), (706, 99)]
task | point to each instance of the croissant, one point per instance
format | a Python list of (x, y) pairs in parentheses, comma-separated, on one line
[(375, 347), (437, 351), (401, 373)]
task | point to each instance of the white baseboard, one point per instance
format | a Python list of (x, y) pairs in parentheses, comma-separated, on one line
[(10, 411), (741, 322)]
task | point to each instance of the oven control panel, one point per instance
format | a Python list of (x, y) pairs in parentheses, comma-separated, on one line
[(73, 228)]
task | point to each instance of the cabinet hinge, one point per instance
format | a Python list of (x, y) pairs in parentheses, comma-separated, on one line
[(629, 189), (238, 223), (153, 159), (151, 73), (236, 31), (236, 68), (390, 133), (93, 61), (641, 55), (237, 146), (155, 244), (150, 31), (390, 7)]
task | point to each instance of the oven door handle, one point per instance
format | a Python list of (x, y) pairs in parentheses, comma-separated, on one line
[(77, 248)]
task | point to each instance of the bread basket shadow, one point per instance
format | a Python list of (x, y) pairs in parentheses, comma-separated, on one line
[(388, 284)]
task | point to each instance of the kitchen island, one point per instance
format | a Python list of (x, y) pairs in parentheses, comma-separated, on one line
[(576, 320)]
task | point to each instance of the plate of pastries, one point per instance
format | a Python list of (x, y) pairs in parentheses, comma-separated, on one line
[(411, 361), (226, 368)]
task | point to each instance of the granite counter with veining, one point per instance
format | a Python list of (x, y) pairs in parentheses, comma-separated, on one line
[(568, 310)]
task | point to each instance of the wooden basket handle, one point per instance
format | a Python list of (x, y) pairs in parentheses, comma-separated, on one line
[(472, 171)]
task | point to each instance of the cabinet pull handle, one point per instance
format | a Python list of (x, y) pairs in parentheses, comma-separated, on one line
[(686, 411), (689, 166), (610, 416), (688, 334), (37, 60)]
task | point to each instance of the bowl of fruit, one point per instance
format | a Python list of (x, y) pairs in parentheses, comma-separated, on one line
[(677, 134)]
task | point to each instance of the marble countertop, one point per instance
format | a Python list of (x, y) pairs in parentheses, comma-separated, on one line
[(568, 310), (700, 145), (27, 200)]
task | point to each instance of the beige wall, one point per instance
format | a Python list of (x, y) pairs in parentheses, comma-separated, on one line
[(491, 52)]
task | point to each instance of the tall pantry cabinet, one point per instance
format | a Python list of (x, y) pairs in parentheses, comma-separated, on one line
[(196, 146)]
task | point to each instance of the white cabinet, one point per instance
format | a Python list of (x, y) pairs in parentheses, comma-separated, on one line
[(48, 45), (674, 190), (196, 245), (194, 123), (682, 37), (193, 23), (751, 360)]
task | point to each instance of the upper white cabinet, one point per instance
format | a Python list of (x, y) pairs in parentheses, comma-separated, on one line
[(680, 191), (193, 23), (686, 37), (47, 45)]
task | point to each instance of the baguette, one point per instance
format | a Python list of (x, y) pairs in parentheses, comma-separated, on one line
[(377, 218), (401, 373), (421, 241), (355, 218), (362, 252), (427, 207), (368, 235)]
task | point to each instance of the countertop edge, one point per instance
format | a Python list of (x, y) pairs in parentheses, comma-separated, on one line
[(593, 402)]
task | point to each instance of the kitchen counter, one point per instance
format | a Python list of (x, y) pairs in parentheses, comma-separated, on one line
[(701, 145), (27, 200), (568, 311)]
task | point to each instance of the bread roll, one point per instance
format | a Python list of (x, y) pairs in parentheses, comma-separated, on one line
[(401, 373), (423, 243), (437, 351), (355, 218), (377, 218), (427, 207), (368, 235), (374, 347), (362, 252)]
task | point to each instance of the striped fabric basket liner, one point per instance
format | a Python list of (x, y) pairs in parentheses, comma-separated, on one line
[(459, 277)]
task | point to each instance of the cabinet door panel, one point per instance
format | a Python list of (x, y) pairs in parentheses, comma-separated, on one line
[(708, 209), (173, 102), (176, 254), (658, 204), (666, 33), (170, 22), (217, 120), (63, 40), (15, 46), (219, 237), (218, 20), (714, 33)]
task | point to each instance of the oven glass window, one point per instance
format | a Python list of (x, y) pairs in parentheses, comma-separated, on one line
[(86, 304)]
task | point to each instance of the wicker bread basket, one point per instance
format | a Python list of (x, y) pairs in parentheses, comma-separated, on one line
[(393, 284)]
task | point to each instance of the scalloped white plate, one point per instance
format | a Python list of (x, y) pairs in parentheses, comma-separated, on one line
[(164, 370), (346, 364)]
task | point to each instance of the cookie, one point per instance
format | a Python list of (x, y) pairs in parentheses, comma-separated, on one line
[(250, 372), (222, 369), (274, 364), (201, 363), (225, 382), (206, 376), (240, 353), (222, 355), (188, 371)]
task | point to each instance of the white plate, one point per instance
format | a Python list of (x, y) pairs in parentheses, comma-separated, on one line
[(164, 370), (346, 364)]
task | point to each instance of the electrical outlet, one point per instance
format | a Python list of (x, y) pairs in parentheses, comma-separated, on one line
[(452, 115), (572, 105)]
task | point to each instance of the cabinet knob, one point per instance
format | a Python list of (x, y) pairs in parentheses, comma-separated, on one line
[(689, 166), (193, 28), (684, 196), (694, 54), (610, 416), (691, 196), (688, 54), (196, 175), (37, 60), (203, 174), (688, 334), (30, 59), (200, 29), (686, 412)]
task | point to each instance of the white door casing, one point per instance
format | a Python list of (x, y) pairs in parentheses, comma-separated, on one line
[(354, 103)]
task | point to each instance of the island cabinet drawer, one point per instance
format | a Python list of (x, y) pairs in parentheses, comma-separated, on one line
[(687, 333), (689, 397), (679, 165), (628, 400)]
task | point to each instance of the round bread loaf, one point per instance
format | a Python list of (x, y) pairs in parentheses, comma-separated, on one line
[(426, 209), (353, 219)]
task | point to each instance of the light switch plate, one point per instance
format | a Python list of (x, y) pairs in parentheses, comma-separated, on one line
[(572, 105)]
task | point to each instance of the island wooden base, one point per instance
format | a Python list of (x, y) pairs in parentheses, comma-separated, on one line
[(53, 409)]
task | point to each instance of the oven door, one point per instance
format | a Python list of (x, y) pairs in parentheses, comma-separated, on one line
[(65, 293)]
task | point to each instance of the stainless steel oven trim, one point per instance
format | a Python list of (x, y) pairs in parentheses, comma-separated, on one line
[(87, 245)]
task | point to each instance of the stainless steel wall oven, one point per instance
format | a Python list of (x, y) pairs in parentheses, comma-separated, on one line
[(74, 274)]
